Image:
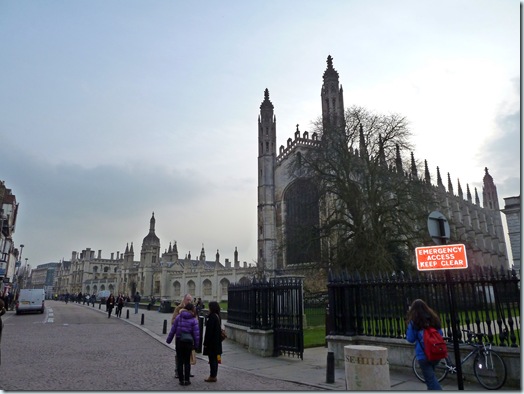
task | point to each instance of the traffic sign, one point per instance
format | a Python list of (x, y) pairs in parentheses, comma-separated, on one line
[(442, 257)]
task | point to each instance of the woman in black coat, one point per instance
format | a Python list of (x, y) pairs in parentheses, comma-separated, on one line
[(213, 340)]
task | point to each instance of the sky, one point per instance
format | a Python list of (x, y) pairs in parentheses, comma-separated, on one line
[(111, 110)]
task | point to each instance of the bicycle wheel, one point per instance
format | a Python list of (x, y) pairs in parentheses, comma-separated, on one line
[(490, 369), (441, 370)]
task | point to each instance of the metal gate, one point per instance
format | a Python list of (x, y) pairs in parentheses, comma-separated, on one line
[(288, 334)]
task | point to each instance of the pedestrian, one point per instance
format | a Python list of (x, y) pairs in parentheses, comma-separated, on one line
[(93, 299), (186, 300), (110, 303), (2, 311), (199, 306), (213, 340), (187, 335), (136, 300), (420, 316), (119, 305)]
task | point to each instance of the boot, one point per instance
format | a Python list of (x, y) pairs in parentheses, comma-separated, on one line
[(210, 379)]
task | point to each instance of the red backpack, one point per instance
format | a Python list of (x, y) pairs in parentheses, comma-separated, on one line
[(434, 346)]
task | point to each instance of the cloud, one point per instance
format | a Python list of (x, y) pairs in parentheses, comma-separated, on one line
[(501, 149)]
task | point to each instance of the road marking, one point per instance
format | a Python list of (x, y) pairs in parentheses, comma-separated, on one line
[(50, 318)]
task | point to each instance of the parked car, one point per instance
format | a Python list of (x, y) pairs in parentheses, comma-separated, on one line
[(30, 300)]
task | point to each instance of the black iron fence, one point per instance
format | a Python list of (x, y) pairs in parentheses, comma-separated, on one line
[(251, 304), (275, 304), (487, 300)]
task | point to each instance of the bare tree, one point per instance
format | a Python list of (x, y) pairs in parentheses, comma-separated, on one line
[(371, 209)]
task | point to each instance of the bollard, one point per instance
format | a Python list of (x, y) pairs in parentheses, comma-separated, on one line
[(127, 314), (142, 320), (164, 330), (330, 372), (100, 306)]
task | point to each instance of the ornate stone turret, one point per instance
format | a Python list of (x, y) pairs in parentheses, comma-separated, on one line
[(489, 192), (266, 210), (332, 98)]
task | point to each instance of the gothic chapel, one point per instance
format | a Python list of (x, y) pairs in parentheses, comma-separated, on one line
[(282, 199)]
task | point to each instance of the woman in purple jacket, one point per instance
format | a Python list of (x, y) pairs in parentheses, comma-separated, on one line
[(185, 329)]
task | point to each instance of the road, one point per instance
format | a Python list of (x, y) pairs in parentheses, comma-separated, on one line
[(80, 349)]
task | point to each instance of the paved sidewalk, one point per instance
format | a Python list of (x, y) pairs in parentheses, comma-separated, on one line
[(311, 370)]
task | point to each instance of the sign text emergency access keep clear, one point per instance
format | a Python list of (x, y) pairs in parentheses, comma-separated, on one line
[(441, 257)]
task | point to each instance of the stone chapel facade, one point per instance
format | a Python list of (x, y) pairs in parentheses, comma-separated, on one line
[(282, 198)]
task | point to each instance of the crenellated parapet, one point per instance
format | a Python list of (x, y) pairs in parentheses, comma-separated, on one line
[(298, 142)]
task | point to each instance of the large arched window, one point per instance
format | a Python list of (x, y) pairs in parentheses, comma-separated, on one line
[(207, 288), (176, 290), (191, 287), (224, 285), (302, 214)]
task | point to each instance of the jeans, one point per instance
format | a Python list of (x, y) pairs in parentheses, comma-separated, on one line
[(428, 370), (136, 307)]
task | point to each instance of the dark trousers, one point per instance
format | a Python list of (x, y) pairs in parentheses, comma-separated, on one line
[(213, 364), (183, 359)]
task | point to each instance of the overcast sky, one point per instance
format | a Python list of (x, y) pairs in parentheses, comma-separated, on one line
[(110, 110)]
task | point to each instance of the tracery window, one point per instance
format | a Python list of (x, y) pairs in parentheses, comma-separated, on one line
[(301, 203)]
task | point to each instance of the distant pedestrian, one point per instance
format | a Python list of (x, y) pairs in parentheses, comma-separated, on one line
[(93, 299), (136, 300), (212, 340), (187, 333), (110, 304), (420, 316), (2, 311), (119, 305)]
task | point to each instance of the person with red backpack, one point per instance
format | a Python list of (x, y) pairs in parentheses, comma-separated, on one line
[(429, 348)]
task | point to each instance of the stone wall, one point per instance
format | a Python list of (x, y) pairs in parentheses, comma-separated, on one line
[(401, 353)]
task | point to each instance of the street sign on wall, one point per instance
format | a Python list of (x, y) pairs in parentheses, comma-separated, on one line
[(442, 257)]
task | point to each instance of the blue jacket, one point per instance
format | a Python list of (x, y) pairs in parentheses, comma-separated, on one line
[(416, 336), (185, 322)]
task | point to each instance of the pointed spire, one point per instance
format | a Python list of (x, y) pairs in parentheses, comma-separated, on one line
[(477, 200), (266, 104), (450, 185), (169, 250), (217, 256), (363, 148), (439, 179), (460, 194), (152, 223), (381, 154), (413, 167), (330, 71), (131, 249), (175, 249), (202, 253), (468, 193), (236, 255), (427, 176), (398, 160), (489, 192), (127, 248)]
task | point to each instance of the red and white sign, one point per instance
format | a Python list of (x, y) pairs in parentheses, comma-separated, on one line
[(442, 257)]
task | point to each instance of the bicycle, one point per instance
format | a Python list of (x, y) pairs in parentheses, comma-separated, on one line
[(489, 368)]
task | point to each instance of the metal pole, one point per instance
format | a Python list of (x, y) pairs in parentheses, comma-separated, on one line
[(453, 313)]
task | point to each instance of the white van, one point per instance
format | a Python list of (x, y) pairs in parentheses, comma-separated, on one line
[(30, 300)]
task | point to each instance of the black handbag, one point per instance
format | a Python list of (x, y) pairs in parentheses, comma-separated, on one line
[(186, 337)]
